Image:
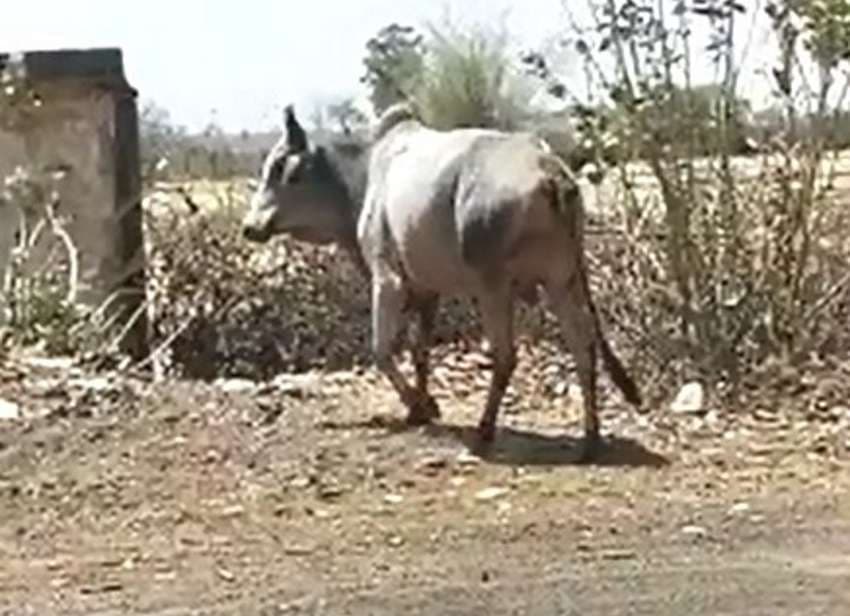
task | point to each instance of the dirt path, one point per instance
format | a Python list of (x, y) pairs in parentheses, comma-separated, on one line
[(307, 497)]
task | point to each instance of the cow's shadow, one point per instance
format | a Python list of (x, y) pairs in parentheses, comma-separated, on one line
[(515, 447)]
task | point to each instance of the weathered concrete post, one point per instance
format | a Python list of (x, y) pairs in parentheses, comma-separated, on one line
[(87, 124)]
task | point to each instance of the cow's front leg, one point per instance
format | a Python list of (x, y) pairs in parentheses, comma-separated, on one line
[(388, 296)]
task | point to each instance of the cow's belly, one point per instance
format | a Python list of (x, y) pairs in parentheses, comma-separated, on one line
[(431, 258), (421, 223)]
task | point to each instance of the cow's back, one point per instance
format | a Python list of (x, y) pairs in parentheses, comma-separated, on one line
[(456, 202)]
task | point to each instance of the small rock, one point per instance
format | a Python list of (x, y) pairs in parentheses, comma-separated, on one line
[(9, 410), (395, 541), (738, 509), (299, 483), (488, 494), (226, 575), (694, 531), (467, 459), (393, 499), (690, 399), (236, 386), (233, 512)]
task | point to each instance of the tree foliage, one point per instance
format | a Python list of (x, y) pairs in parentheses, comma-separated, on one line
[(393, 65), (470, 80), (455, 76)]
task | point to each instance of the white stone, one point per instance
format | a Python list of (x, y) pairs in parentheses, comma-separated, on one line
[(9, 410), (488, 494), (690, 399), (234, 386)]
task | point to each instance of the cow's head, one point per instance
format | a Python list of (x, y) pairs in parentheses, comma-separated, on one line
[(300, 193)]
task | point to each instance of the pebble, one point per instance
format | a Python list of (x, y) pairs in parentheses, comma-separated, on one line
[(738, 508), (9, 410), (236, 386), (488, 494), (690, 399), (299, 483), (226, 575), (694, 531), (468, 459)]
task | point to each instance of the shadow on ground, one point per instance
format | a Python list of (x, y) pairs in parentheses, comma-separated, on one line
[(513, 447), (527, 448)]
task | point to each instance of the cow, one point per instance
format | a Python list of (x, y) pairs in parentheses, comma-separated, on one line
[(428, 214)]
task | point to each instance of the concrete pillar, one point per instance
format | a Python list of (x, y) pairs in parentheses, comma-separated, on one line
[(86, 124)]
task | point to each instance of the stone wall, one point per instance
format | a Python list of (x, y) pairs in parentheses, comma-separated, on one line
[(87, 125)]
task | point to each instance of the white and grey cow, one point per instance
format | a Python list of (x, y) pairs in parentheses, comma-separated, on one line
[(428, 214)]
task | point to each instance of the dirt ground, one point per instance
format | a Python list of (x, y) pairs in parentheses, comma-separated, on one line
[(306, 496)]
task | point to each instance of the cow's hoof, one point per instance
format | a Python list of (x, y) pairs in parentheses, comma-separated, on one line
[(423, 411), (486, 432)]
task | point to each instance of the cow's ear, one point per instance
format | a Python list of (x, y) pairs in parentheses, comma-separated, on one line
[(296, 138)]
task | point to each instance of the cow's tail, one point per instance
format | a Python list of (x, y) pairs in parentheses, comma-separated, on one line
[(568, 204), (612, 363)]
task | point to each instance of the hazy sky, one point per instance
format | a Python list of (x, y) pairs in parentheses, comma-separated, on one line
[(246, 58)]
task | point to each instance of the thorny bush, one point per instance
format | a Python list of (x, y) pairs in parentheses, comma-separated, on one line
[(729, 264)]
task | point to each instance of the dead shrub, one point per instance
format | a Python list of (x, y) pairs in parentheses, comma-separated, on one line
[(222, 307)]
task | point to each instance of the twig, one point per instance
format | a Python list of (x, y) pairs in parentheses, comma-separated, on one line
[(176, 333), (131, 322), (827, 299), (73, 255)]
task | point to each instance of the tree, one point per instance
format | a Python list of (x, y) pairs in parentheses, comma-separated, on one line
[(394, 63), (347, 115)]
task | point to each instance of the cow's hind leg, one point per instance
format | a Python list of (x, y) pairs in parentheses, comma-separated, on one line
[(497, 315), (426, 308), (388, 295), (571, 304)]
